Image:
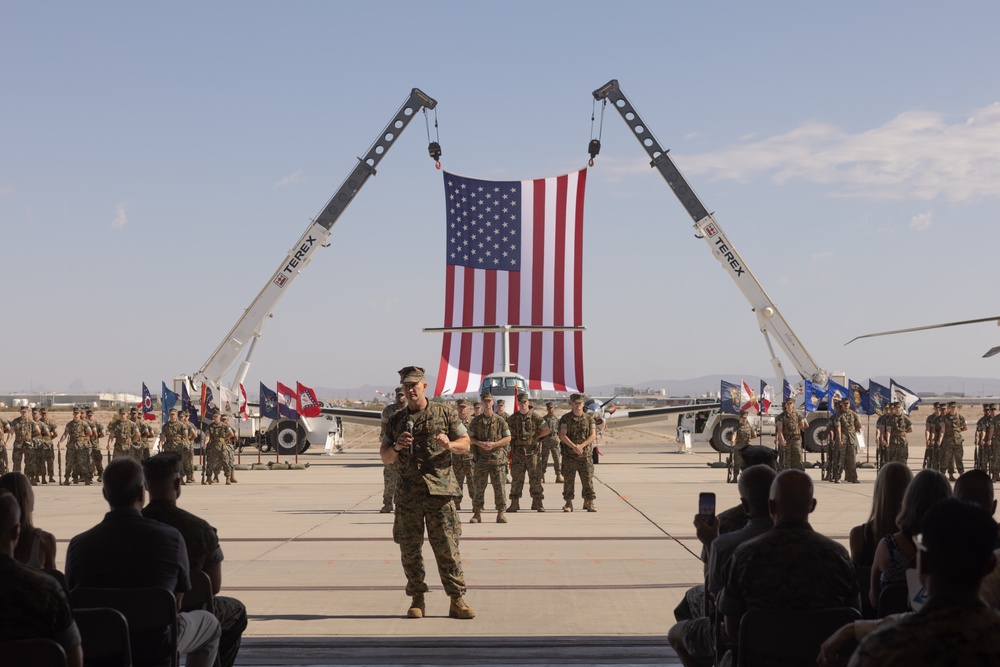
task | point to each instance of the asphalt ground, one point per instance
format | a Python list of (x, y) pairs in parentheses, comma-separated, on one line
[(312, 558)]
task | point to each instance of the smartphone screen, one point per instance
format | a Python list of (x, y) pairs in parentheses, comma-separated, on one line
[(706, 505)]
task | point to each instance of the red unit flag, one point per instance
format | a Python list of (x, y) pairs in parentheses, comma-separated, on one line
[(307, 404)]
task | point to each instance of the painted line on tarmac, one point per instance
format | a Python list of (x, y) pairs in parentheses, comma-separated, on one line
[(493, 587)]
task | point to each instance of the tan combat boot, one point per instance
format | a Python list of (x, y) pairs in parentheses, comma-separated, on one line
[(232, 478), (568, 507), (476, 517), (537, 505), (559, 479), (386, 509), (417, 607), (501, 517), (459, 609), (515, 505), (589, 506)]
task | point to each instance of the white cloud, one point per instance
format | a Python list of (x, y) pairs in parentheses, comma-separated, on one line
[(822, 256), (916, 155), (921, 222), (121, 219), (293, 177), (5, 190)]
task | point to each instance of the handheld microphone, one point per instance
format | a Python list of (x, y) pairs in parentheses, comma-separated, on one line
[(409, 429)]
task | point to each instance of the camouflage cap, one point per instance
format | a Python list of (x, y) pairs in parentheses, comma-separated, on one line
[(937, 404), (743, 413), (76, 411), (122, 411), (462, 403), (411, 374), (172, 411), (993, 406), (951, 404), (90, 411), (133, 411), (44, 411), (399, 391), (35, 409), (894, 404), (576, 398), (486, 397), (523, 397), (25, 408), (550, 404)]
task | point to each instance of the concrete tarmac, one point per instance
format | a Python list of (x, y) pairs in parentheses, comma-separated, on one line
[(312, 558)]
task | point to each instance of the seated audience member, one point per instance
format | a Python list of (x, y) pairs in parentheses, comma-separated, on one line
[(127, 550), (791, 566), (36, 548), (973, 487), (887, 500), (32, 604), (954, 627), (896, 552), (694, 640), (163, 481)]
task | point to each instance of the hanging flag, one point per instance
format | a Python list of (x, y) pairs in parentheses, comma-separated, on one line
[(748, 400), (187, 405), (268, 403), (514, 256), (814, 394), (147, 405), (835, 392), (903, 395), (879, 397), (729, 397), (766, 397), (227, 401), (307, 404), (169, 400), (860, 398), (788, 391), (287, 398), (207, 400), (244, 412)]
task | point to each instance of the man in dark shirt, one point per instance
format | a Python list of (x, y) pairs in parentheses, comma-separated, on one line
[(126, 550), (163, 481), (32, 604), (790, 566)]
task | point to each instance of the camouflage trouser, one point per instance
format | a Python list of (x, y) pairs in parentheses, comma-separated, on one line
[(896, 451), (187, 460), (97, 459), (136, 450), (934, 457), (584, 465), (47, 460), (79, 460), (994, 450), (549, 446), (18, 455), (465, 472), (218, 459), (835, 461), (3, 459), (493, 471), (792, 453), (737, 455), (414, 510), (232, 615), (851, 461), (953, 452), (389, 479), (31, 459), (525, 460)]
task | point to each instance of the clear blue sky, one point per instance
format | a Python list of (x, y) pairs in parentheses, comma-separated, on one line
[(158, 160)]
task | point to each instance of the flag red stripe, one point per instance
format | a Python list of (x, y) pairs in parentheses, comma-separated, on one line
[(559, 286), (489, 317), (468, 298), (537, 280), (578, 279), (449, 313)]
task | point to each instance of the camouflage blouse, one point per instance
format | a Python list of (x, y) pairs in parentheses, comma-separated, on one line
[(489, 429), (425, 468)]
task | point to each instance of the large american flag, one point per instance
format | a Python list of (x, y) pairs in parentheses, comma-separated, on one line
[(514, 256)]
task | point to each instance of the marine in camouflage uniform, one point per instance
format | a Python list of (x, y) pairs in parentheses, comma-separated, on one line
[(48, 451), (464, 464), (96, 455), (789, 435), (550, 445), (850, 425), (982, 429), (835, 447), (34, 463), (489, 434), (994, 437), (78, 450), (742, 437), (172, 438), (882, 437), (934, 457), (525, 430), (4, 436), (577, 433), (950, 440), (897, 426), (124, 432), (140, 446), (189, 435), (229, 450), (215, 452), (389, 475), (24, 430), (421, 438)]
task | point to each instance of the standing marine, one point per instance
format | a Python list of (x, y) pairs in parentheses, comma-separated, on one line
[(464, 464), (25, 430), (124, 432), (421, 439), (550, 445), (389, 470), (788, 435), (48, 458), (950, 440), (526, 428), (577, 433), (490, 435), (742, 437)]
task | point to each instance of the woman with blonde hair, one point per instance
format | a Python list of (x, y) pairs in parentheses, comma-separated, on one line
[(36, 548), (887, 500)]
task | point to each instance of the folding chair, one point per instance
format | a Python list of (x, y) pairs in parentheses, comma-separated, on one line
[(864, 577), (34, 652), (151, 614), (59, 577), (788, 637), (104, 632), (200, 596)]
